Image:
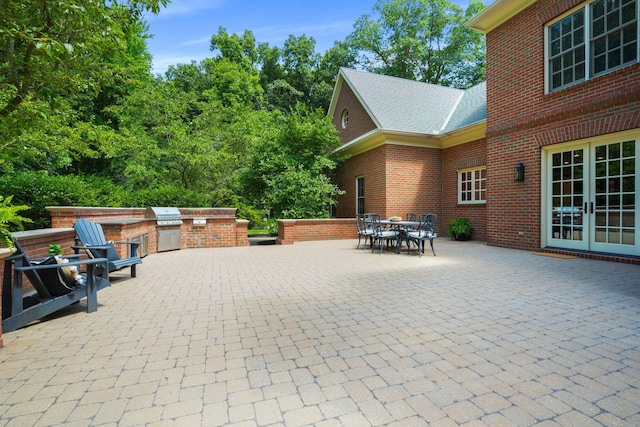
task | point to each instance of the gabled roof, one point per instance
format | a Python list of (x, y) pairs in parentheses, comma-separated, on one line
[(402, 105)]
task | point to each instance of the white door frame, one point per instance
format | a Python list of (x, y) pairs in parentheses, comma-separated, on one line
[(588, 240)]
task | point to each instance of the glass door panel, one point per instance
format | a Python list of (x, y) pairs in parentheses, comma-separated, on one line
[(614, 198), (568, 198)]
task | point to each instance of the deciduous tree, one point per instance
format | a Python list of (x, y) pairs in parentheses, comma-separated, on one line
[(423, 40), (286, 172), (53, 51)]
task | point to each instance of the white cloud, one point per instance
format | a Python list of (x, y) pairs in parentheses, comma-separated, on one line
[(161, 63), (205, 40), (187, 7)]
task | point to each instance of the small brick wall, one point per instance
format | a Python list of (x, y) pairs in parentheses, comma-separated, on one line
[(66, 216), (303, 230)]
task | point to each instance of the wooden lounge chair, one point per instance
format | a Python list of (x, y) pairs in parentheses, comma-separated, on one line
[(90, 237), (51, 293)]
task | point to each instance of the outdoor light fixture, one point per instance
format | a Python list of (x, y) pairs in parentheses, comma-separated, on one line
[(518, 173)]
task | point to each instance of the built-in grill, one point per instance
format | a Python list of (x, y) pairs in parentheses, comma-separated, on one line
[(168, 222), (164, 216)]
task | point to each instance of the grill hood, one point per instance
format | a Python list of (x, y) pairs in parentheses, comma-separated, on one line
[(164, 215)]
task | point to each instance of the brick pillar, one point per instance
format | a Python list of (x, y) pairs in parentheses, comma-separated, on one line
[(286, 231), (242, 233)]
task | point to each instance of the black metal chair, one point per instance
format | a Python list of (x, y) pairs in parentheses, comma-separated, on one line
[(381, 233), (411, 217), (364, 230), (424, 232)]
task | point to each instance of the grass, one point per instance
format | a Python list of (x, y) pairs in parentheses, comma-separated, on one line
[(257, 231)]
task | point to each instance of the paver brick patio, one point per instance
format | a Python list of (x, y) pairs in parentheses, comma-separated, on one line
[(318, 333)]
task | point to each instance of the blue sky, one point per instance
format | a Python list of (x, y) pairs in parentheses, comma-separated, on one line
[(182, 31)]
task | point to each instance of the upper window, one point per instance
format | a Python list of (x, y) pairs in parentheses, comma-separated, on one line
[(599, 37), (345, 118), (472, 185)]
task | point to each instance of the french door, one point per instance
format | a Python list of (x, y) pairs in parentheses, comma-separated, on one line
[(591, 197)]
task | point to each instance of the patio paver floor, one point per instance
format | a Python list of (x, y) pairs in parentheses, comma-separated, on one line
[(318, 333)]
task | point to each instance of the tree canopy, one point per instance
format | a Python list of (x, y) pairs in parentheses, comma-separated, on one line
[(423, 40), (56, 49)]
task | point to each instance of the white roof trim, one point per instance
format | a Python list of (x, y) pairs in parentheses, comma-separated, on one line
[(497, 13)]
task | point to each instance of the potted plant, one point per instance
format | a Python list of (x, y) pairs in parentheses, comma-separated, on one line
[(9, 217), (55, 249), (460, 229)]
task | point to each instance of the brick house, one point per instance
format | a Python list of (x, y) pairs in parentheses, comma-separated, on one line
[(562, 100)]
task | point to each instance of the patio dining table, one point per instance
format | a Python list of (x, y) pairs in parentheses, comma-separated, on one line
[(402, 227)]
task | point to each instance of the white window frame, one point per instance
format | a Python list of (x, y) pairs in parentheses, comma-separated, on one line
[(344, 119), (588, 40), (358, 197), (474, 185)]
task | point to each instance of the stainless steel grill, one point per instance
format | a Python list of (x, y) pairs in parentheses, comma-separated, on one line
[(164, 216), (167, 219)]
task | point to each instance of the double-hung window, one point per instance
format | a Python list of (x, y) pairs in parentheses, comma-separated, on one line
[(360, 195), (596, 38), (472, 185)]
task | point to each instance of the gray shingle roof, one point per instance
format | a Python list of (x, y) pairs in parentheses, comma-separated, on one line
[(416, 107), (471, 109)]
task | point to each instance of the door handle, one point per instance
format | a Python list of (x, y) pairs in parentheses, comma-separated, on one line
[(585, 207), (591, 207)]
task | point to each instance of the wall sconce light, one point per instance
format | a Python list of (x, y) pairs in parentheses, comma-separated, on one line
[(518, 173)]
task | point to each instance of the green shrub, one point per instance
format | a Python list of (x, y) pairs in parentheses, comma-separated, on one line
[(9, 217), (55, 249), (272, 227), (249, 212), (460, 229), (40, 189)]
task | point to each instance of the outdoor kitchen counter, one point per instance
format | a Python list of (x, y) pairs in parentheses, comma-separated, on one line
[(122, 221)]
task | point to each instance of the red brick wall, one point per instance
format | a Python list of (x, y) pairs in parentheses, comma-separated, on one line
[(461, 157), (302, 230), (220, 230), (66, 216), (123, 232), (414, 180), (370, 165), (36, 244), (215, 233), (521, 119), (398, 180), (359, 120)]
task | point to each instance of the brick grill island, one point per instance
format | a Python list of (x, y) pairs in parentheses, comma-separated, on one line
[(200, 227)]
